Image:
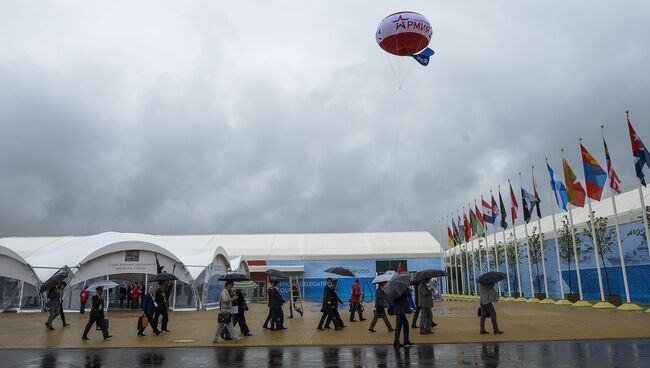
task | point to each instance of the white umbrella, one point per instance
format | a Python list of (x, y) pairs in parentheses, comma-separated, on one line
[(384, 277), (106, 284)]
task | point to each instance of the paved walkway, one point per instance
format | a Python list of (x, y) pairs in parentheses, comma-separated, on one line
[(458, 323), (601, 353)]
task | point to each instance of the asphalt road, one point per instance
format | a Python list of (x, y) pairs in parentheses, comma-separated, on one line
[(596, 353)]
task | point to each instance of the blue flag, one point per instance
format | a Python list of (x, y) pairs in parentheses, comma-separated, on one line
[(423, 57), (559, 189)]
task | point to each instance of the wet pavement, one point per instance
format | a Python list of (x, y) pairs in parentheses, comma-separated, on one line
[(594, 353)]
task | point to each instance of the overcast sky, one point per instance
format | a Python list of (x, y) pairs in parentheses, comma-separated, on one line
[(176, 117)]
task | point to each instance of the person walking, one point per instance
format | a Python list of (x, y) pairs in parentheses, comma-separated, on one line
[(328, 303), (424, 302), (162, 307), (401, 309), (129, 297), (488, 296), (416, 315), (61, 311), (135, 294), (225, 305), (336, 316), (97, 315), (53, 304), (84, 295), (277, 315), (122, 296), (380, 309), (149, 307), (355, 301), (240, 317), (268, 304)]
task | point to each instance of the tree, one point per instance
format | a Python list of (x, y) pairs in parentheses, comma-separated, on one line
[(566, 246), (605, 237), (640, 232), (512, 260), (535, 242)]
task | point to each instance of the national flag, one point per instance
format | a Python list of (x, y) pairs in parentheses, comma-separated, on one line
[(513, 205), (640, 152), (496, 213), (528, 200), (468, 227), (462, 232), (488, 211), (539, 210), (450, 237), (595, 176), (574, 190), (504, 214), (472, 221), (454, 230), (614, 181), (559, 190), (479, 225)]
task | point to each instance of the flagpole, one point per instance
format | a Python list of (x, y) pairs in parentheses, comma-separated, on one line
[(473, 266), (480, 259), (562, 300), (643, 209), (532, 298), (442, 253), (643, 214), (505, 250), (514, 233), (628, 305), (496, 248), (547, 299), (594, 241)]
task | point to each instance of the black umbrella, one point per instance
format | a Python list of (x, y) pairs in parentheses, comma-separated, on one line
[(276, 274), (234, 277), (397, 285), (491, 277), (341, 271), (58, 277), (428, 274), (164, 277)]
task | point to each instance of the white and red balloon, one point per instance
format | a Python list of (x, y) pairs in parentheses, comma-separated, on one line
[(404, 33)]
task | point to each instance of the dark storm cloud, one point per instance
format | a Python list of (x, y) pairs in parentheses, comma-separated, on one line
[(201, 119)]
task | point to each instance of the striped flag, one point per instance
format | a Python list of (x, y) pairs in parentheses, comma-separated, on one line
[(614, 181), (450, 236), (528, 200), (559, 189), (496, 212), (488, 211)]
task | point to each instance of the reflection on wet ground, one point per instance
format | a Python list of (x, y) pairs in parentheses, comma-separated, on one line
[(599, 353)]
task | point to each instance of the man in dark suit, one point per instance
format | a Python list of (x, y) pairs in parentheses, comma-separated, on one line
[(97, 315), (326, 308), (276, 301), (335, 316), (240, 316), (270, 315), (162, 307), (149, 306), (54, 305), (400, 309), (380, 310)]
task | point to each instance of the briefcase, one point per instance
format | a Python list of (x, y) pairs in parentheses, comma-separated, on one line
[(224, 317), (143, 322)]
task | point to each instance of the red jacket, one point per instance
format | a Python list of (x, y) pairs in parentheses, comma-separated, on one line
[(135, 292), (84, 294), (356, 293)]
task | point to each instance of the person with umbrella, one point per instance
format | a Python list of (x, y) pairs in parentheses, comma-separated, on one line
[(488, 296), (328, 303), (336, 316), (401, 309), (380, 309), (424, 304), (240, 317), (97, 315), (225, 306), (162, 307), (54, 295)]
